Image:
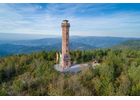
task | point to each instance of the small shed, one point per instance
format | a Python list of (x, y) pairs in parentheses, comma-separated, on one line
[(94, 60)]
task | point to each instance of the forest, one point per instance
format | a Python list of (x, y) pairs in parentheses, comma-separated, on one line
[(34, 75), (128, 44)]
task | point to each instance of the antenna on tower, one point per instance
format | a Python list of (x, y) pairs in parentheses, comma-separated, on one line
[(65, 20)]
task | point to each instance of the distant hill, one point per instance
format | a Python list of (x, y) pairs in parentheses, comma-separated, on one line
[(76, 42), (100, 42), (3, 53), (6, 49), (96, 41), (58, 46), (10, 47), (36, 42), (129, 44)]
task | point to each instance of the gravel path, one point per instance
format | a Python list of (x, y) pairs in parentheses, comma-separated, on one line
[(74, 67)]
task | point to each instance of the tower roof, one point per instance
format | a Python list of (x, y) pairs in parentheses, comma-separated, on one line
[(65, 20)]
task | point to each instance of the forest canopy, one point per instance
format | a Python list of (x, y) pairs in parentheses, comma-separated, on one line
[(33, 74)]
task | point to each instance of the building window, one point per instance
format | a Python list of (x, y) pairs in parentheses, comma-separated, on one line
[(67, 33), (66, 50)]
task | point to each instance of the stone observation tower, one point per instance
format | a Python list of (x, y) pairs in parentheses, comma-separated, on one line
[(65, 58)]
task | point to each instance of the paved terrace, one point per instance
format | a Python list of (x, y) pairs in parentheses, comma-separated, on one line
[(74, 67)]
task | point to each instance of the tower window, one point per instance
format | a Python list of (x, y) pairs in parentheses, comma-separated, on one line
[(66, 50), (67, 33)]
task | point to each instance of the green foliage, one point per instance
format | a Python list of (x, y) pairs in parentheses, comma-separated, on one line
[(34, 74), (135, 90), (106, 72), (4, 85), (18, 85), (134, 74), (138, 62), (43, 71), (3, 93), (1, 74), (97, 84), (44, 54), (124, 87)]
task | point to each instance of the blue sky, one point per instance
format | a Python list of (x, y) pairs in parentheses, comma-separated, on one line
[(86, 19)]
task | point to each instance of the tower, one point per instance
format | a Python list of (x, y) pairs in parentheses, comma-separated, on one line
[(65, 58)]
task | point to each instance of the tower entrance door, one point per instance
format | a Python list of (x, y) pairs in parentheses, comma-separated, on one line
[(66, 63)]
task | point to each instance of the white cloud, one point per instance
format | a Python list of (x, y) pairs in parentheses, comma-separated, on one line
[(29, 18), (24, 7), (40, 7)]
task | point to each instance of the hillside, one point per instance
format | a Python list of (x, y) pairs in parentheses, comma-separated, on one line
[(129, 44), (10, 47), (37, 42), (6, 49), (3, 53), (100, 42), (81, 46), (58, 46), (96, 41), (76, 42)]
